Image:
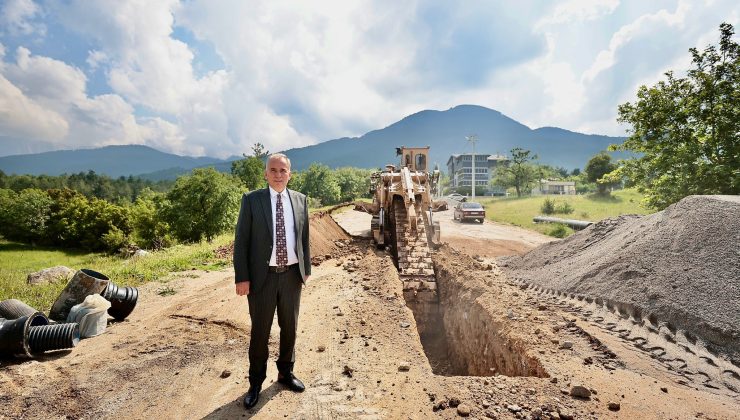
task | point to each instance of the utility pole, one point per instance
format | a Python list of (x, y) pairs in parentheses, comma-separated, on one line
[(472, 139)]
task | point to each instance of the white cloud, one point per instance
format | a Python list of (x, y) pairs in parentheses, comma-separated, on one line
[(21, 116), (295, 73), (641, 28), (44, 101), (96, 58), (578, 11), (17, 18)]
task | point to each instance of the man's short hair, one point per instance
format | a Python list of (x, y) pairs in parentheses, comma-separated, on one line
[(276, 156)]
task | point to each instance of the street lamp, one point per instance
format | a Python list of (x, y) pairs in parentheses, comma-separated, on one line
[(472, 139)]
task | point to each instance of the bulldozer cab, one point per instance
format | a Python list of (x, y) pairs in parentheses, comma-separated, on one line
[(414, 158)]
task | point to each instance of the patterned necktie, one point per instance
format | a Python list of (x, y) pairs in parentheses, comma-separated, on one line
[(281, 253)]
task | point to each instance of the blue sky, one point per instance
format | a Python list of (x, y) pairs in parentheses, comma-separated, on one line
[(205, 77)]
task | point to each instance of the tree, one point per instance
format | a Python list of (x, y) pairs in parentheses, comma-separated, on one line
[(519, 173), (150, 229), (353, 183), (319, 182), (598, 166), (202, 204), (685, 130), (258, 150), (28, 215), (251, 169)]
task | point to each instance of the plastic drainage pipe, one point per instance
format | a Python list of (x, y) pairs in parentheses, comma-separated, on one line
[(122, 299), (14, 309), (85, 282), (14, 334), (54, 337), (575, 224)]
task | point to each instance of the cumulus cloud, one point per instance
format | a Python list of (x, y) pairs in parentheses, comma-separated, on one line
[(21, 116), (293, 73), (44, 101), (18, 17)]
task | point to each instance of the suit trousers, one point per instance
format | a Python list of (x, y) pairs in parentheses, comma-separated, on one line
[(281, 291)]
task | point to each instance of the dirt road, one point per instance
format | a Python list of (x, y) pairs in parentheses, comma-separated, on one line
[(504, 351), (488, 239)]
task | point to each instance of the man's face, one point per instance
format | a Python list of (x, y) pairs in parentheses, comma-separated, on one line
[(277, 174)]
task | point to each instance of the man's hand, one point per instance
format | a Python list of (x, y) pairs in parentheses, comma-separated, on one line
[(242, 288), (305, 279)]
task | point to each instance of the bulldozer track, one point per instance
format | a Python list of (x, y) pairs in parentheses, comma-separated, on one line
[(683, 356), (415, 267)]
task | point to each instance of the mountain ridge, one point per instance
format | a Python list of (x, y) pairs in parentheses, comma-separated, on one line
[(444, 131)]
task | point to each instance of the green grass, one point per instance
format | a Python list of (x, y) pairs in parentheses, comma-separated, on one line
[(18, 260), (520, 211)]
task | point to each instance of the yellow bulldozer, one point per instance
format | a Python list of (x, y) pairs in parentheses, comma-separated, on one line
[(402, 219)]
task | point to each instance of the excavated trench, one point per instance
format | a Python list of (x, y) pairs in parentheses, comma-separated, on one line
[(462, 337)]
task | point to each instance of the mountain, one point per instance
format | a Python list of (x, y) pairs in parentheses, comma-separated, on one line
[(443, 131), (113, 161)]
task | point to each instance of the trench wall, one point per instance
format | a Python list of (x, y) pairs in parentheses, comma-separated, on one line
[(480, 339)]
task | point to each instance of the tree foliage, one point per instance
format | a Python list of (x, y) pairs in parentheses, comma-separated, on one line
[(686, 131), (251, 169), (320, 182), (520, 173), (598, 166), (119, 190), (202, 205), (353, 183), (150, 229)]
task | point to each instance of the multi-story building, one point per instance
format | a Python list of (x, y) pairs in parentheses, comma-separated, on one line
[(460, 168)]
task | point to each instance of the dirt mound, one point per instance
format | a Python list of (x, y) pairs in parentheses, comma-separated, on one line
[(326, 237), (678, 268)]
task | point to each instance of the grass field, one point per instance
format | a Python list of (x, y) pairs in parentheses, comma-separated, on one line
[(18, 260), (520, 211)]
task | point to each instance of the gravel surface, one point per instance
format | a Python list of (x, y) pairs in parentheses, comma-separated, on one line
[(680, 266)]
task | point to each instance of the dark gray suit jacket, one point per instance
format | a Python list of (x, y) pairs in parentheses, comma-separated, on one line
[(253, 239)]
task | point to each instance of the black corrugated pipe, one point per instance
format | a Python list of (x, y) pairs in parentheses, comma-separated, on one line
[(54, 337), (14, 309), (30, 335), (14, 334), (122, 299)]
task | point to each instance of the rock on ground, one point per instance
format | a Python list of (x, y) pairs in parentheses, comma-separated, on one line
[(50, 275)]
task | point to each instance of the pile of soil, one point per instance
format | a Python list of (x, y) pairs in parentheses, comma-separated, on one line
[(679, 268), (326, 237)]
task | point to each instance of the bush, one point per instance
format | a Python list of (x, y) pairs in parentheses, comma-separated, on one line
[(115, 239), (202, 204), (548, 206), (558, 231), (564, 208), (150, 229)]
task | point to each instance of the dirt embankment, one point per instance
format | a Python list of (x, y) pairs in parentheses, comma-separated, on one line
[(679, 269)]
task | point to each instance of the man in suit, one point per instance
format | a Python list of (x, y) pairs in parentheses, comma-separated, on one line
[(272, 262)]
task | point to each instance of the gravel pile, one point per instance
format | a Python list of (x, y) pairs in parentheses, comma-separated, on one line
[(680, 265)]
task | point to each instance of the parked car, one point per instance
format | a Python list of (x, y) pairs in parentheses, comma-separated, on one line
[(457, 197), (469, 211)]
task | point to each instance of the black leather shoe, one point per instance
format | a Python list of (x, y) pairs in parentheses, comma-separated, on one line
[(253, 396), (293, 383)]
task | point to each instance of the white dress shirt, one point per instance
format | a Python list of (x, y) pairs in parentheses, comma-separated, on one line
[(289, 226)]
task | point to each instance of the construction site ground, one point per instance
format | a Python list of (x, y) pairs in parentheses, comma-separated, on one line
[(497, 349)]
